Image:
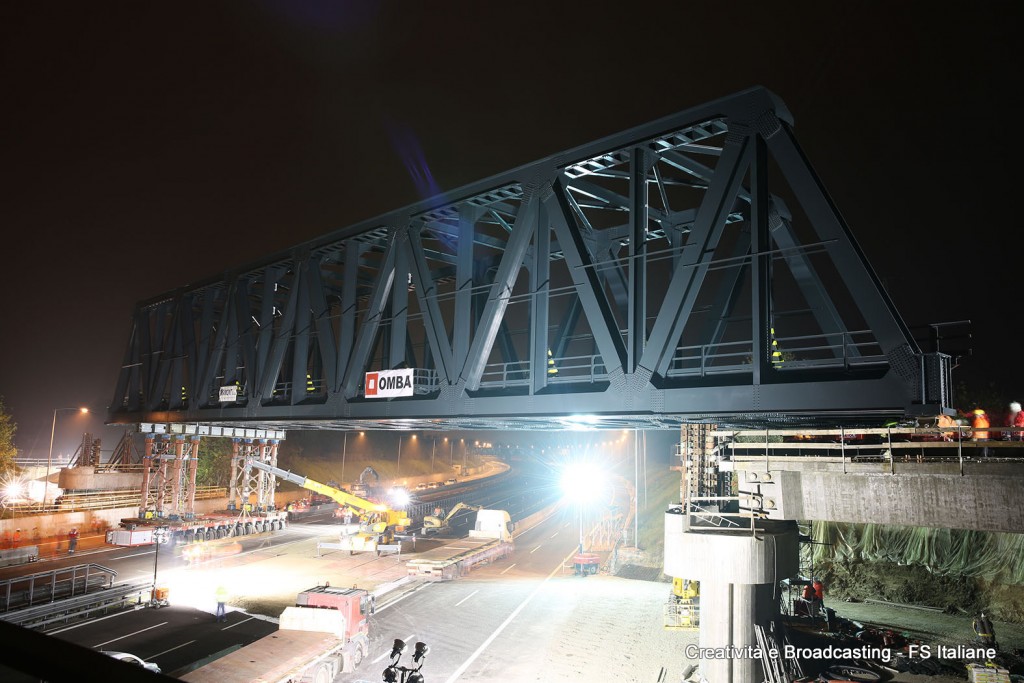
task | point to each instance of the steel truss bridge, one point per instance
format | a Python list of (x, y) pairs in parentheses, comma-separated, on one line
[(690, 269)]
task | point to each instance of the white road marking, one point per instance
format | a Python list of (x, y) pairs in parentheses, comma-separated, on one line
[(535, 549), (125, 557), (388, 652), (236, 623), (508, 567), (456, 547), (131, 634), (171, 650), (91, 621), (470, 595), (403, 597), (553, 535), (490, 639)]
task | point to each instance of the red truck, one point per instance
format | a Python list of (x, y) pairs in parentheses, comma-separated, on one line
[(323, 635)]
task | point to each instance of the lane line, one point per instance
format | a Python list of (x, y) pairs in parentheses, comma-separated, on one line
[(469, 596), (508, 567), (553, 535), (403, 597), (171, 650), (92, 621), (125, 557), (490, 639), (131, 634), (237, 623), (536, 549), (388, 652)]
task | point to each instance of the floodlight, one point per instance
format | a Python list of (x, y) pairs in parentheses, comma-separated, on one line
[(390, 675), (398, 648), (415, 677), (399, 497), (582, 482), (421, 651)]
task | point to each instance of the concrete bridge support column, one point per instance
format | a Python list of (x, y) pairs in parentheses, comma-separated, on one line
[(739, 571)]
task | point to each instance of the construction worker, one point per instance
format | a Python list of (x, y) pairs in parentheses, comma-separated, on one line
[(808, 597), (946, 421), (777, 358), (72, 540), (17, 537), (980, 424), (222, 597), (984, 631), (1014, 418)]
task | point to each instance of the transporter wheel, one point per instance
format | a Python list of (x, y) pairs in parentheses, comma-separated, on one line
[(357, 656), (321, 673)]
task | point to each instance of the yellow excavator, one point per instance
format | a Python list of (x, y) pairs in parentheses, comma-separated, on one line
[(434, 523), (378, 523)]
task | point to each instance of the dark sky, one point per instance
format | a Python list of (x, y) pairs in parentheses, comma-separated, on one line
[(149, 145)]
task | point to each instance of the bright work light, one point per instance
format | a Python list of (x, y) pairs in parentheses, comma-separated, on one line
[(582, 482)]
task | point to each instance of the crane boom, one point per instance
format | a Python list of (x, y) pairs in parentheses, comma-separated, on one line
[(337, 495)]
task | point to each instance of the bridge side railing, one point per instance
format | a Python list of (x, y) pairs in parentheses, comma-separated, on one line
[(843, 350), (875, 444)]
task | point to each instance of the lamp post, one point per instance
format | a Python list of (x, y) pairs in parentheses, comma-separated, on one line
[(398, 467), (159, 536), (49, 456), (582, 482)]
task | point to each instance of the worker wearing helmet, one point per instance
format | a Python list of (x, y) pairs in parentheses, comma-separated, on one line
[(980, 425), (1015, 418)]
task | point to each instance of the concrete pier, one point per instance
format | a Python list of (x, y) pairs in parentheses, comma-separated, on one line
[(739, 571)]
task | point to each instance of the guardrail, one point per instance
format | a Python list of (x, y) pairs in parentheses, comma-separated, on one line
[(25, 591), (64, 610), (879, 444)]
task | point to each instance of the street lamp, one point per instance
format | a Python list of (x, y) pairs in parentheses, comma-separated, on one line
[(49, 457), (581, 483), (160, 535)]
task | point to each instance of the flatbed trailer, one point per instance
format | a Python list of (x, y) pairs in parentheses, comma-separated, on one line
[(280, 656), (456, 559), (324, 635)]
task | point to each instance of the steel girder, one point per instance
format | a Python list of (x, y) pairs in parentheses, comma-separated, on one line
[(689, 269)]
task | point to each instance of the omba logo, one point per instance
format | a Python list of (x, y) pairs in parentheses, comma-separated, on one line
[(389, 383)]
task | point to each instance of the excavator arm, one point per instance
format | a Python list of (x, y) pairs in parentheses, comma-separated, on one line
[(337, 495), (456, 509)]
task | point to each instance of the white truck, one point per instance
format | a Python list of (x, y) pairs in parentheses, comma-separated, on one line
[(323, 635), (489, 540)]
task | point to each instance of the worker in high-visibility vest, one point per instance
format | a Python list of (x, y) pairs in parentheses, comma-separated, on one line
[(984, 631), (777, 358), (980, 424), (552, 370)]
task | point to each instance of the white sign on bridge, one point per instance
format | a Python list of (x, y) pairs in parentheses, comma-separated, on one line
[(229, 394), (388, 384)]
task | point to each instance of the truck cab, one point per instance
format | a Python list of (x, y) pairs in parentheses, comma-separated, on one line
[(495, 524)]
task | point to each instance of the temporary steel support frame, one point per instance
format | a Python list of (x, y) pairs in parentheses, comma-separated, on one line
[(657, 287)]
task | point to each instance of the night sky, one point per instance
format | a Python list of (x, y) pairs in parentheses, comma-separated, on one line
[(149, 145)]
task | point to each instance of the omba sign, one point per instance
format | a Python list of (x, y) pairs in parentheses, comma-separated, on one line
[(388, 384)]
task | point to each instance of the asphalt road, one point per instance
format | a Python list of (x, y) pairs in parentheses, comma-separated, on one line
[(479, 611), (172, 637)]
